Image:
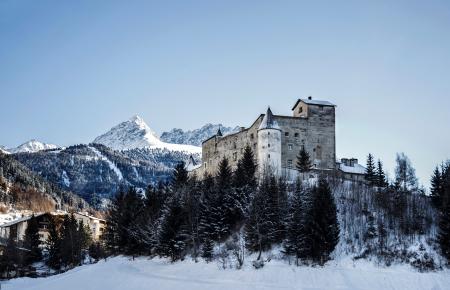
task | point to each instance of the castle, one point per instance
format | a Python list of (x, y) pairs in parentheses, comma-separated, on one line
[(277, 140)]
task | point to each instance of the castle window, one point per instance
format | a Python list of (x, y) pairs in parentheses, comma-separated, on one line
[(290, 146), (205, 164), (300, 110), (252, 136), (268, 156), (286, 134), (268, 133), (289, 164), (296, 135), (268, 145)]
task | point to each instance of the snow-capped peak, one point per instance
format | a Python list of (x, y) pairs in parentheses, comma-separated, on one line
[(32, 146), (3, 150), (135, 133)]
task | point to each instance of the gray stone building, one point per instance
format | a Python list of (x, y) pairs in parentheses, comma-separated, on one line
[(276, 140)]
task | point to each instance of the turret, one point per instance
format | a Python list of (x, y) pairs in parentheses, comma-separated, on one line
[(269, 144)]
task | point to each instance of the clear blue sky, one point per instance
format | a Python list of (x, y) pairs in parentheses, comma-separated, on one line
[(69, 70)]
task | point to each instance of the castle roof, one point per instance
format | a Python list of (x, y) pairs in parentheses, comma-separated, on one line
[(268, 121), (310, 101)]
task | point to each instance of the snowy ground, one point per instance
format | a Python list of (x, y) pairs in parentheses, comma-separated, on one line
[(122, 273)]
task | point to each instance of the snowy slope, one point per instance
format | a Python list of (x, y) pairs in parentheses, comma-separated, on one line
[(32, 146), (112, 166), (135, 133), (122, 273)]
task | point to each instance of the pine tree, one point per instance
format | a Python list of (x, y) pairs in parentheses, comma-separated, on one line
[(380, 175), (54, 245), (370, 170), (207, 249), (32, 241), (69, 242), (122, 217), (171, 241), (260, 230), (249, 165), (10, 260), (179, 176), (303, 161), (436, 187), (444, 222), (212, 223), (444, 232), (295, 232), (321, 227), (230, 200)]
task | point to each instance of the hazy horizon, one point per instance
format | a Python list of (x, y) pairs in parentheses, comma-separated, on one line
[(72, 70)]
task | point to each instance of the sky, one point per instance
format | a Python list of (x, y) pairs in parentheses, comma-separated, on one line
[(70, 70)]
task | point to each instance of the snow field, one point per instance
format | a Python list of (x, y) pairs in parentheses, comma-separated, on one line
[(142, 273)]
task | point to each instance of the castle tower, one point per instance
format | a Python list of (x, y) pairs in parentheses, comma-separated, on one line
[(269, 144)]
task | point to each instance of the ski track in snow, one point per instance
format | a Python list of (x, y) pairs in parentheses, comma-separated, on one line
[(110, 163), (141, 273)]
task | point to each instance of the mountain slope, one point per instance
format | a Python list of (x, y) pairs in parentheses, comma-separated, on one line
[(32, 146), (197, 136), (95, 171), (24, 189), (135, 134)]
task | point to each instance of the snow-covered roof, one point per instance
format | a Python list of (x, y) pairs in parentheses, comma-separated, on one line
[(313, 102), (268, 121), (19, 220), (355, 169)]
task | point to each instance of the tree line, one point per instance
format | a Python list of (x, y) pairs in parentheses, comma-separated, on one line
[(241, 209)]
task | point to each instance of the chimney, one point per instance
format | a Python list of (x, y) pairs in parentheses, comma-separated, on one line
[(309, 98)]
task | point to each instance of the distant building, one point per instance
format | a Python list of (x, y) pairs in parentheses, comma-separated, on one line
[(96, 225), (17, 228), (349, 169)]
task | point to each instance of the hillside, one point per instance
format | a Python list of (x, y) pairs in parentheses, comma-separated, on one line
[(23, 189), (95, 171), (123, 273)]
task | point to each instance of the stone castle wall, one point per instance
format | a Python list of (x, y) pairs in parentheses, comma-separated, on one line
[(314, 129)]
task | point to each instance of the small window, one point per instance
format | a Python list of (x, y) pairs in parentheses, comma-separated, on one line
[(205, 164), (290, 146), (289, 164), (296, 135), (300, 110), (321, 108), (268, 133), (268, 145), (268, 156), (286, 134), (252, 136)]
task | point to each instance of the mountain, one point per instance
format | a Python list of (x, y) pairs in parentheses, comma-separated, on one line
[(95, 171), (197, 136), (136, 134), (32, 146), (3, 150), (23, 189)]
